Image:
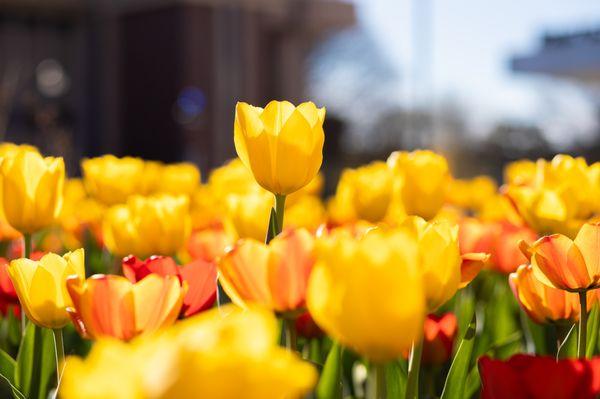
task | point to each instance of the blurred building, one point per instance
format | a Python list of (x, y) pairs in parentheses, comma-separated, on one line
[(573, 56), (154, 78)]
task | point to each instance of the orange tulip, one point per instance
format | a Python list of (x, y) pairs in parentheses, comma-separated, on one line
[(571, 265), (542, 303), (199, 275), (210, 243), (499, 239), (111, 306), (438, 338), (273, 275)]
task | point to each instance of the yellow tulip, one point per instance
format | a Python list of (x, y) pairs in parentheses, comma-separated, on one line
[(472, 193), (307, 212), (112, 180), (33, 190), (561, 197), (249, 214), (522, 172), (368, 189), (232, 178), (422, 181), (180, 178), (41, 286), (145, 226), (439, 258), (7, 232), (224, 353), (367, 293), (281, 144)]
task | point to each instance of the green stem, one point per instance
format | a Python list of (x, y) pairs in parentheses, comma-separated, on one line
[(59, 351), (376, 382), (414, 368), (28, 246), (582, 337), (314, 350), (289, 326), (279, 208)]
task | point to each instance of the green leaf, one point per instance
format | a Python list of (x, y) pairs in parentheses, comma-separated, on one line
[(36, 363), (473, 382), (592, 330), (454, 388), (535, 335), (567, 338), (7, 376), (464, 309), (330, 383), (396, 377), (272, 228)]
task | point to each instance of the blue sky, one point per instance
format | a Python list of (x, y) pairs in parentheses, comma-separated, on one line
[(472, 43)]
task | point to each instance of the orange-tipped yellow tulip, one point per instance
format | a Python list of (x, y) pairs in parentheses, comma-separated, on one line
[(273, 275), (144, 226), (422, 180), (281, 144), (443, 269), (368, 293), (560, 199), (543, 303), (112, 180), (32, 190), (41, 286), (521, 173), (225, 353), (571, 265), (112, 306)]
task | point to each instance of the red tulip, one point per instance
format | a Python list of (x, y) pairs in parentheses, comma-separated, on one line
[(306, 326), (440, 332), (199, 275), (539, 377)]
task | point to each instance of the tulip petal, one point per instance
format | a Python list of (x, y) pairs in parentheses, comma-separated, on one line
[(244, 272), (157, 302), (588, 242), (202, 286), (471, 265), (561, 262)]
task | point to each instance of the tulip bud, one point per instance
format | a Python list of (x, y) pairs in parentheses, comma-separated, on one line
[(281, 144), (41, 286), (33, 190)]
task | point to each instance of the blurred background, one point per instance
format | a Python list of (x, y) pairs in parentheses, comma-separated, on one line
[(483, 82)]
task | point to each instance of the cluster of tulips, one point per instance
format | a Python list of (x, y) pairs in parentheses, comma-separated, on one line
[(406, 283)]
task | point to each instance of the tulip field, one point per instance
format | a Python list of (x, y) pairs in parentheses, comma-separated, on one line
[(145, 280)]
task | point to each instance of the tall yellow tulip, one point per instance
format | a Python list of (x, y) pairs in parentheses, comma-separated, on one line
[(422, 181), (33, 190), (144, 226), (368, 293), (41, 286), (281, 144), (224, 353)]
